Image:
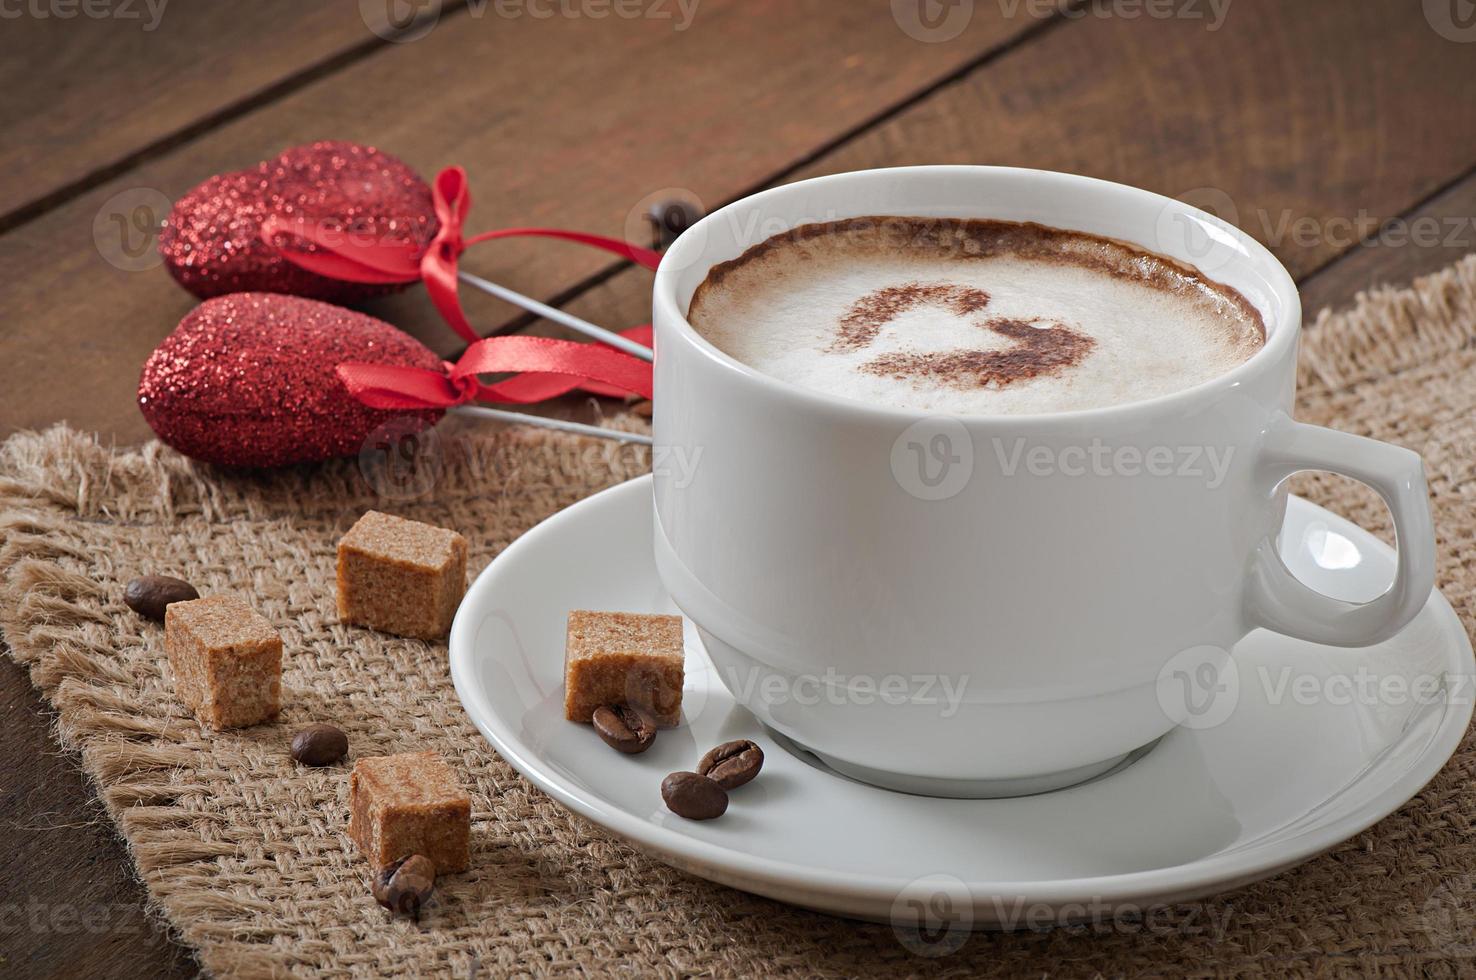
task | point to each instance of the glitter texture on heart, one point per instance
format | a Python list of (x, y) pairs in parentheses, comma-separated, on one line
[(249, 380), (211, 242)]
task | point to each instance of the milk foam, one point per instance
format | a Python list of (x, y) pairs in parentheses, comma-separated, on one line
[(1018, 322)]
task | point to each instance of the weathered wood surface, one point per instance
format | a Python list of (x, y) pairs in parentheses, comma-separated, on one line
[(1338, 132)]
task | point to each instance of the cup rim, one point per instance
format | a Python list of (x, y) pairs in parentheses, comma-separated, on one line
[(1280, 334)]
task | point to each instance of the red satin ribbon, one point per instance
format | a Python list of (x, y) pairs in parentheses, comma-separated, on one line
[(542, 368), (547, 368), (338, 256)]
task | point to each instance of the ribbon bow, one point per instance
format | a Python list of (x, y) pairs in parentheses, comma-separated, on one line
[(543, 368), (552, 368), (340, 257)]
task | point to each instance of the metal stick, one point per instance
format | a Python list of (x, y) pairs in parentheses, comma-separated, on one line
[(557, 316), (500, 415)]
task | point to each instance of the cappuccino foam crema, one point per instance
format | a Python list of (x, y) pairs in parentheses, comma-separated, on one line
[(971, 316)]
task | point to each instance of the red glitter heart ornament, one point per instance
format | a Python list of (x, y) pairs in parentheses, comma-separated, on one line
[(335, 191), (250, 379)]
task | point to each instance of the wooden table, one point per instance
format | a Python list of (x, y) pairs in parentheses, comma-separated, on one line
[(1340, 132)]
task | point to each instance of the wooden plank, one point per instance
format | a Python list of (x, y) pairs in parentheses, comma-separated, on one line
[(50, 785), (1297, 119), (1304, 123), (74, 907), (1424, 240), (574, 122), (83, 86)]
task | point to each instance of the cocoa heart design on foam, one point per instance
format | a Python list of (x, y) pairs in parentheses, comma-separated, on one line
[(212, 244), (249, 380), (1037, 350)]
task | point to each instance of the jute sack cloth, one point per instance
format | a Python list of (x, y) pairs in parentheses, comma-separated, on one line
[(245, 854)]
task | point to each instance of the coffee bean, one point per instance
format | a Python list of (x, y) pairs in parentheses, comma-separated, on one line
[(732, 764), (406, 885), (319, 745), (694, 796), (148, 595), (626, 729), (669, 219)]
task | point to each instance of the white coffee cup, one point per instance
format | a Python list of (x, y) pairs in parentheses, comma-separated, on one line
[(885, 589)]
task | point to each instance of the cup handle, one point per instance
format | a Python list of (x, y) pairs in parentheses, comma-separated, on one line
[(1277, 600)]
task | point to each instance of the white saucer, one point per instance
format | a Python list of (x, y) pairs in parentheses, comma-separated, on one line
[(1292, 771)]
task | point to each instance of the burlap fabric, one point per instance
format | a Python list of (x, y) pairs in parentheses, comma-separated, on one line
[(245, 854)]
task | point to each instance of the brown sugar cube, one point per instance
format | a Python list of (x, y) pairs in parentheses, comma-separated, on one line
[(409, 804), (226, 658), (400, 576), (629, 658)]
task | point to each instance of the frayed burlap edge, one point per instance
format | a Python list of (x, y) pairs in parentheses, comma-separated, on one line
[(1389, 329), (53, 483)]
